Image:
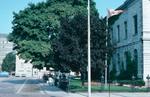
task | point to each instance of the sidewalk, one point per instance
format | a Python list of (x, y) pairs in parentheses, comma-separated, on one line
[(56, 92), (53, 91)]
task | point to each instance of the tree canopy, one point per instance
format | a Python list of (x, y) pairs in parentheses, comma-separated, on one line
[(55, 33), (72, 42), (9, 62)]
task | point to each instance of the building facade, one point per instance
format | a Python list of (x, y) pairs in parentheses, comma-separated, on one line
[(130, 32), (23, 69), (5, 47)]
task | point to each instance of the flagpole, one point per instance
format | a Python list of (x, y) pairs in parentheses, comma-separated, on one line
[(106, 53), (110, 14), (89, 52)]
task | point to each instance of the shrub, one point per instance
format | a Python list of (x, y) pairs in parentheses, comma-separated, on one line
[(131, 82), (139, 83)]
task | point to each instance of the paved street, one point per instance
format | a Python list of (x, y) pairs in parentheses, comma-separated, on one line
[(31, 87), (20, 87)]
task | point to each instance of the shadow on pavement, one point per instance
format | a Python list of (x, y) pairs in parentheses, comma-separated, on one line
[(50, 88), (21, 81)]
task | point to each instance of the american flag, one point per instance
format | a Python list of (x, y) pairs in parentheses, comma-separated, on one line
[(112, 12)]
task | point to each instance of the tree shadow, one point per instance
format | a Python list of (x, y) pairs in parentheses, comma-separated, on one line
[(21, 81)]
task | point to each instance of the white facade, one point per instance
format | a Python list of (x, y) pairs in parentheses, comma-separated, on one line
[(146, 36), (131, 33), (23, 69)]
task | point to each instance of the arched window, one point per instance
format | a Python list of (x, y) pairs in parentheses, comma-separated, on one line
[(136, 56), (126, 55), (126, 59), (118, 55), (135, 70)]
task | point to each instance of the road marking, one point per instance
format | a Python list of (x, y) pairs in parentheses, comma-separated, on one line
[(19, 90), (42, 92)]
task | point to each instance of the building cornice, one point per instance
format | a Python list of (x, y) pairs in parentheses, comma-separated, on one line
[(125, 4)]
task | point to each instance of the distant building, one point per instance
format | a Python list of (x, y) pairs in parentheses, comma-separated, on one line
[(23, 69), (5, 47), (130, 32)]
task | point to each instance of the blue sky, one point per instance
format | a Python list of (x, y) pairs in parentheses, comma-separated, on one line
[(103, 5), (7, 7)]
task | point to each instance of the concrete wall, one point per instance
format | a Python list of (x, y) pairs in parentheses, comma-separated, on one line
[(146, 36)]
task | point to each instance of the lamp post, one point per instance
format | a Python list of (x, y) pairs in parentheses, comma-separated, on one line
[(89, 51), (148, 78), (133, 79), (102, 81)]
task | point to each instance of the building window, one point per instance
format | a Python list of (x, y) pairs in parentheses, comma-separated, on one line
[(119, 67), (135, 24), (118, 33), (125, 30), (112, 34), (135, 70), (126, 59), (135, 56)]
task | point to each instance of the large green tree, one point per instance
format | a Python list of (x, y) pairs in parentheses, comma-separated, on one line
[(55, 33), (33, 25), (71, 46), (9, 62)]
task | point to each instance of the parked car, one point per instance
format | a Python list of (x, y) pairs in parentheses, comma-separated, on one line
[(12, 73), (4, 74)]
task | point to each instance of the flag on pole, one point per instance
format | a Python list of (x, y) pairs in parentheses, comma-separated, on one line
[(112, 12)]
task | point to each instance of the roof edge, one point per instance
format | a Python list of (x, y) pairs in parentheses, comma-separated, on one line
[(125, 4)]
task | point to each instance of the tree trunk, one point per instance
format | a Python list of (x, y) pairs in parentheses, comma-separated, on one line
[(82, 77)]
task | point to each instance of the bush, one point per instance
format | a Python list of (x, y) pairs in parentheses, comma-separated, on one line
[(131, 82), (139, 83)]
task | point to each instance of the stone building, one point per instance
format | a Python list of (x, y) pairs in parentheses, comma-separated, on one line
[(5, 47), (130, 32)]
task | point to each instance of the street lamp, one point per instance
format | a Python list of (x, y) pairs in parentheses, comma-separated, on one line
[(133, 79), (102, 81), (148, 78)]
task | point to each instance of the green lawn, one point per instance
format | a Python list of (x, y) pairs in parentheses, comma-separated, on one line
[(75, 86)]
